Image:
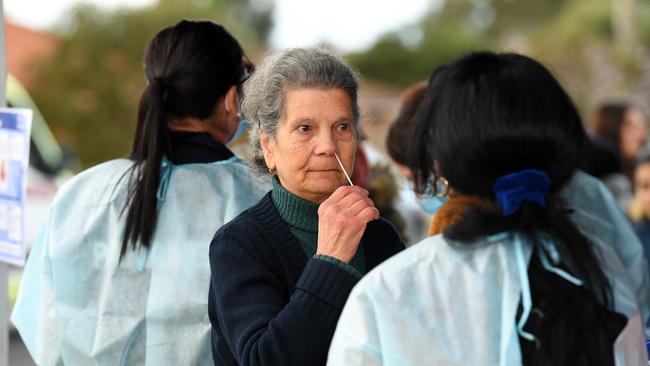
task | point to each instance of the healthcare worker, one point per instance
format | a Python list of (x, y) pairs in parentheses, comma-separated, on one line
[(509, 278), (120, 273), (595, 209)]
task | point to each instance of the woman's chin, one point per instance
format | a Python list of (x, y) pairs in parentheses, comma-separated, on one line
[(323, 188)]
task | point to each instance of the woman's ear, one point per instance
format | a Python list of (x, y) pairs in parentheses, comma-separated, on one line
[(232, 100), (268, 149)]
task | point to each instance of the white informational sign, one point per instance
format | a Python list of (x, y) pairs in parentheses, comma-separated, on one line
[(15, 127)]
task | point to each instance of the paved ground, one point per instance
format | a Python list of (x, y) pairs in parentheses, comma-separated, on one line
[(18, 355)]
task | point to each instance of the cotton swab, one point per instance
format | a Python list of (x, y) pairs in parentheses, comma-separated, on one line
[(343, 169)]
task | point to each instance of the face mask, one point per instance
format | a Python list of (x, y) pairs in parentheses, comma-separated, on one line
[(241, 128), (431, 204)]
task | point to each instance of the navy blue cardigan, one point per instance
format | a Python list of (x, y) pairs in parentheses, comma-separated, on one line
[(268, 303)]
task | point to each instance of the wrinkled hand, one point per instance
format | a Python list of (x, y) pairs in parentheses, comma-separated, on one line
[(342, 220)]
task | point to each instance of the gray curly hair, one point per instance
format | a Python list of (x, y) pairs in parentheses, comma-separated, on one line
[(281, 71)]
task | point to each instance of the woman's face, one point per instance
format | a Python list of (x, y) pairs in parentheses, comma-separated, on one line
[(642, 187), (633, 133), (316, 123)]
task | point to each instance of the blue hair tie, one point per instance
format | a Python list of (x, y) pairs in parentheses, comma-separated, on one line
[(529, 185)]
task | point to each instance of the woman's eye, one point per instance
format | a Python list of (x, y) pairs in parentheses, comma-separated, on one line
[(304, 128), (344, 127)]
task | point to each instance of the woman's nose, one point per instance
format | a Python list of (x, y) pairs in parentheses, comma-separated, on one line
[(325, 144)]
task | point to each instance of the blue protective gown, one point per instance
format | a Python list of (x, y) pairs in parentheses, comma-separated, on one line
[(78, 306), (440, 303), (598, 214)]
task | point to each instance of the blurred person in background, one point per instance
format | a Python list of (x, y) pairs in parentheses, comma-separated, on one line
[(640, 208), (509, 279), (361, 175), (372, 173), (399, 132), (619, 132), (120, 272), (283, 269), (416, 210)]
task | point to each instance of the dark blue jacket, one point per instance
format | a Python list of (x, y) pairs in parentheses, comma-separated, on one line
[(271, 305)]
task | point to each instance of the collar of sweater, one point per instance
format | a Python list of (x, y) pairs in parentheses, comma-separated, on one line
[(295, 211)]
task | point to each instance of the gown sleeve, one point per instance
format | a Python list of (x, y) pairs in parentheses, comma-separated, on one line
[(356, 340), (33, 314)]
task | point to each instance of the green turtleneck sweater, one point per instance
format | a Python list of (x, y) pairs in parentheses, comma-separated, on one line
[(302, 217)]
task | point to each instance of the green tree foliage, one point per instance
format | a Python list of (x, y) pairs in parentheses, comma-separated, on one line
[(90, 89), (583, 42), (643, 23), (393, 61), (402, 57)]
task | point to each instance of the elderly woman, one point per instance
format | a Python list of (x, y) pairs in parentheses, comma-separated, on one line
[(283, 269)]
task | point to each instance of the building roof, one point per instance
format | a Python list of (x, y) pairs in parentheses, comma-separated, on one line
[(26, 48)]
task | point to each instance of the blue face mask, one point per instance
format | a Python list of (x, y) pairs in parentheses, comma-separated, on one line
[(241, 128), (431, 204)]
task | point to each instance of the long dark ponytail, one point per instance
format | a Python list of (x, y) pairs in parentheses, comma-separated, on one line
[(485, 116), (189, 67)]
